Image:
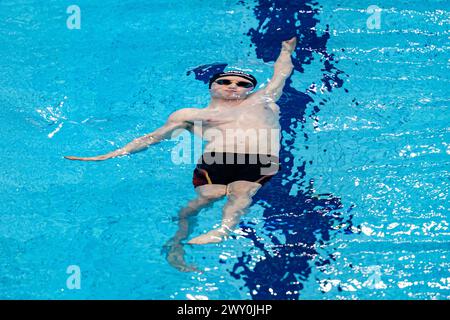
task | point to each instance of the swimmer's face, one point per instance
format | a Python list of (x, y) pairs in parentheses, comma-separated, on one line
[(231, 88)]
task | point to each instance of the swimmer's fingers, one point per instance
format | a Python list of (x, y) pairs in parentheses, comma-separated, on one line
[(73, 158), (99, 158), (289, 45)]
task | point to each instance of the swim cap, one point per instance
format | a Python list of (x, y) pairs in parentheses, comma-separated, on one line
[(241, 74)]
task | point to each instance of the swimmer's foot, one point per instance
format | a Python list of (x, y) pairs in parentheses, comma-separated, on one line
[(175, 256), (213, 236)]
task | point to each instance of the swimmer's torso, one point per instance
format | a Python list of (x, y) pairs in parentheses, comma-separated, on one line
[(250, 127)]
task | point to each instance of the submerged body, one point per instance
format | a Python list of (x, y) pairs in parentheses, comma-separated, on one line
[(236, 124)]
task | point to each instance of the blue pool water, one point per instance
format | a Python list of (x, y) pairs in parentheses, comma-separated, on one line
[(359, 210)]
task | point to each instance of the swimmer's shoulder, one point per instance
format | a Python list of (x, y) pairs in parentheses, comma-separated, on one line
[(263, 98)]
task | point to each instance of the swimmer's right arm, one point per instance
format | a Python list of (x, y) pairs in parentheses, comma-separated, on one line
[(174, 122)]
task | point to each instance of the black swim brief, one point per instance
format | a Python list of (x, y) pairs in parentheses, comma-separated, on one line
[(224, 168)]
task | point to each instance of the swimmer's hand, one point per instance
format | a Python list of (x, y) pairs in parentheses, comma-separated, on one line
[(289, 45), (98, 158), (134, 146)]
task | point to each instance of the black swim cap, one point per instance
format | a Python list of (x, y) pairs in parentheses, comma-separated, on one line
[(241, 74)]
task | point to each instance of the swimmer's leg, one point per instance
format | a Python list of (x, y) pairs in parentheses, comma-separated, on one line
[(206, 196), (240, 195)]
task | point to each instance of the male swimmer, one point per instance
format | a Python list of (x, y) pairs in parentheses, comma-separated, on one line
[(226, 168)]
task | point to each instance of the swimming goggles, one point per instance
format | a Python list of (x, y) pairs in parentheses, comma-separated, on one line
[(226, 82)]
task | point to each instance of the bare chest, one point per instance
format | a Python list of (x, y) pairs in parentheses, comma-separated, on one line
[(243, 116)]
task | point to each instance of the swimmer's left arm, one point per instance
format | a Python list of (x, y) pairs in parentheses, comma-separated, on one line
[(134, 146), (282, 70), (176, 120)]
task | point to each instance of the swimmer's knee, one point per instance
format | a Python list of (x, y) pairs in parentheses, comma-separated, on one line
[(201, 201), (211, 191), (198, 202), (242, 189), (194, 206), (240, 201)]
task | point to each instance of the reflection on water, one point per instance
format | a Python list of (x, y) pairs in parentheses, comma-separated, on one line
[(295, 223), (298, 222)]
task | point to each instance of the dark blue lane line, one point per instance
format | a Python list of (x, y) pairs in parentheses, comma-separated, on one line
[(303, 220)]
